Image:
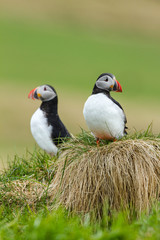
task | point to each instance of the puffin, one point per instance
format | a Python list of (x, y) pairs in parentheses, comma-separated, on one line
[(104, 116), (46, 126)]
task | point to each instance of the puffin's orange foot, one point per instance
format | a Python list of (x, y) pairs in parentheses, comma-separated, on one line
[(114, 139), (98, 141)]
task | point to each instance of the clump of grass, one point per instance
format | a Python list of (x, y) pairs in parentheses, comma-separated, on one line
[(37, 165), (21, 193), (125, 174), (26, 180)]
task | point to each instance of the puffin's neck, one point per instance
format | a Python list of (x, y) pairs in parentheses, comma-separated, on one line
[(50, 106), (97, 90)]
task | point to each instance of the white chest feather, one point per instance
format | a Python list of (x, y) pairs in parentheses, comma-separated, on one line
[(104, 118), (42, 132)]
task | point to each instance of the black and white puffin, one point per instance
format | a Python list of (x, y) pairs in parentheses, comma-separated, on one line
[(104, 116), (46, 126)]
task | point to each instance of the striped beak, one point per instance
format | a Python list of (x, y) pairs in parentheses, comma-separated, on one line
[(33, 94), (117, 87)]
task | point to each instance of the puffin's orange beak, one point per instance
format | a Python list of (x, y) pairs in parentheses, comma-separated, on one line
[(32, 94), (117, 87)]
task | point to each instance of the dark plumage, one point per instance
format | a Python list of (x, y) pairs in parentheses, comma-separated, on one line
[(59, 131)]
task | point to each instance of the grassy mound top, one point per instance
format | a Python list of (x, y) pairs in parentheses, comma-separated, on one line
[(125, 174)]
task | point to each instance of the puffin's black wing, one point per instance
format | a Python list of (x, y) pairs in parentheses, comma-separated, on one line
[(125, 119), (59, 131)]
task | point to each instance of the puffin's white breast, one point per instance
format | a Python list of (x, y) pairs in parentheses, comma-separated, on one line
[(42, 132), (104, 118)]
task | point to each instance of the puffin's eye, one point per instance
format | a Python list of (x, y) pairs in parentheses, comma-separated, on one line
[(106, 80), (45, 88)]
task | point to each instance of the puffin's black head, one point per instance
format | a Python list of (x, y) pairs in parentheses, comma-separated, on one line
[(44, 93), (107, 82)]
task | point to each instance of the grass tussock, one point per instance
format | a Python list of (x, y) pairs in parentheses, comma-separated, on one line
[(84, 178), (125, 174), (22, 192), (25, 182)]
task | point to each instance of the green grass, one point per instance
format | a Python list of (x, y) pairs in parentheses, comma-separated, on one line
[(58, 224), (19, 220), (87, 139), (36, 165)]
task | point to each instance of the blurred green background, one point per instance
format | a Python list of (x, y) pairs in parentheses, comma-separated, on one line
[(68, 44)]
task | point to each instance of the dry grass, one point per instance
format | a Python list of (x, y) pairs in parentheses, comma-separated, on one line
[(22, 192), (126, 174), (123, 174)]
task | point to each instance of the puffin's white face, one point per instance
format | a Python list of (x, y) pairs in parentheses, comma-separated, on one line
[(44, 93), (108, 82)]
